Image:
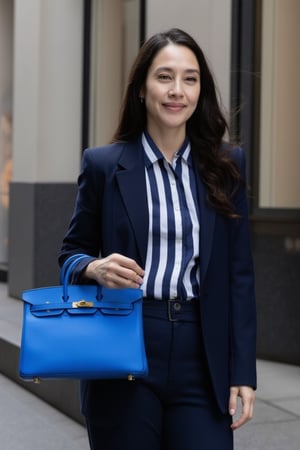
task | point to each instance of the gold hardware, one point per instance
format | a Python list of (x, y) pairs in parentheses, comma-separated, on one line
[(36, 380), (82, 304), (130, 378)]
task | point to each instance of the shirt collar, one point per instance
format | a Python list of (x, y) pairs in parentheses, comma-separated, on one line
[(153, 154)]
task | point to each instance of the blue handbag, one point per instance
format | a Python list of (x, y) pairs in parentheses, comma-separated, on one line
[(82, 331)]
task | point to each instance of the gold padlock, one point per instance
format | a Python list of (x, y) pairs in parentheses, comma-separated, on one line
[(82, 304)]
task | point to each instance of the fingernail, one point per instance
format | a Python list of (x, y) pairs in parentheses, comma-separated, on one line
[(232, 412)]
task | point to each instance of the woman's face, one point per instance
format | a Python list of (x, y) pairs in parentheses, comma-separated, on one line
[(172, 89)]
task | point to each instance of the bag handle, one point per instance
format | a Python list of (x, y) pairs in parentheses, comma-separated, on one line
[(66, 264), (66, 271)]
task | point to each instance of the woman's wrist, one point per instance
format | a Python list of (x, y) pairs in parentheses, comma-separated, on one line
[(90, 270)]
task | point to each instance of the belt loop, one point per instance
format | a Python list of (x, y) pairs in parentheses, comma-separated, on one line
[(170, 311)]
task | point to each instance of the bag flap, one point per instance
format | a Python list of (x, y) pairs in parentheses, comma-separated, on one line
[(83, 299)]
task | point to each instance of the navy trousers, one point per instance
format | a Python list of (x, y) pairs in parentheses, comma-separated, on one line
[(173, 408)]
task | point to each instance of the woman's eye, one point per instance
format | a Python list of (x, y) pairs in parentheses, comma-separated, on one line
[(164, 77), (191, 80)]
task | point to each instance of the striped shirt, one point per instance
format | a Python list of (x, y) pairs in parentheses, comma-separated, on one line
[(172, 263)]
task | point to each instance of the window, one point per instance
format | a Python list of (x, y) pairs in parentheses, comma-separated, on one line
[(279, 160), (115, 39)]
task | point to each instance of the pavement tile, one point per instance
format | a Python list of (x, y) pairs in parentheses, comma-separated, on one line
[(266, 412), (290, 404)]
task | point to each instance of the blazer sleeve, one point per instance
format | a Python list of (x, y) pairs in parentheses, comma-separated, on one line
[(83, 235), (242, 295)]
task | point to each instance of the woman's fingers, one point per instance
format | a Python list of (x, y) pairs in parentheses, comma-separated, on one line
[(247, 396), (116, 271)]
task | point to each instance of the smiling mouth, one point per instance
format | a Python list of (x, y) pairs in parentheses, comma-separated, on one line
[(174, 106)]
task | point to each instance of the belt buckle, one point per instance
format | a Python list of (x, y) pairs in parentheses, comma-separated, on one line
[(170, 302)]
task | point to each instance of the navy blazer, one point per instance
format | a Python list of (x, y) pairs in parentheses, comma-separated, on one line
[(111, 216)]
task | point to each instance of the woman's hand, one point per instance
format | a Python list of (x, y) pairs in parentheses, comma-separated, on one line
[(115, 271), (247, 395)]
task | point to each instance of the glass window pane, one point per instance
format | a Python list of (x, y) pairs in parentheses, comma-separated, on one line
[(115, 42)]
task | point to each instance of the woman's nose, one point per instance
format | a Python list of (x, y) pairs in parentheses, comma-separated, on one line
[(176, 89)]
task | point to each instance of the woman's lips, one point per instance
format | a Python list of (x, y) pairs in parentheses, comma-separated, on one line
[(174, 106)]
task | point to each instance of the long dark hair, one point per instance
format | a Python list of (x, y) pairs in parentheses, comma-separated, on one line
[(205, 128)]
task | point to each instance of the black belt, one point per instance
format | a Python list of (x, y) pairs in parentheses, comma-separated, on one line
[(175, 306)]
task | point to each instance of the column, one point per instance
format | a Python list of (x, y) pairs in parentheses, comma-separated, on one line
[(47, 91)]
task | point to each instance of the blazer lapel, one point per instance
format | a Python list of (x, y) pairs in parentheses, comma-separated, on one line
[(132, 185), (207, 223)]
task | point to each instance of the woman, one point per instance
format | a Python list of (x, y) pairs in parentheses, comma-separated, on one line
[(165, 207)]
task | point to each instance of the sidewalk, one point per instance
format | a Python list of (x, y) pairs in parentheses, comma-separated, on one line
[(27, 422)]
